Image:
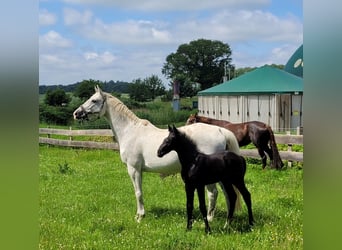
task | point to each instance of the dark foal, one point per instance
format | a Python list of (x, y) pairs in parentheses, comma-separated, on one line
[(258, 133), (200, 169)]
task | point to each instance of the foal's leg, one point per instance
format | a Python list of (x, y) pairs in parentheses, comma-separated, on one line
[(232, 200), (203, 209), (190, 190), (212, 197), (137, 181), (247, 198)]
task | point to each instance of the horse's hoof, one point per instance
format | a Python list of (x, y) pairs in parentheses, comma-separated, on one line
[(210, 217), (139, 217)]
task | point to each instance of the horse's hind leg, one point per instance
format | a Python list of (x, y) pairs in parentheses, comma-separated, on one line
[(232, 200), (247, 198), (263, 156), (203, 209), (137, 182), (270, 154), (212, 197)]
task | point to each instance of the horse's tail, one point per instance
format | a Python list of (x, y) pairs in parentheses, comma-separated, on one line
[(231, 141), (238, 197), (277, 162)]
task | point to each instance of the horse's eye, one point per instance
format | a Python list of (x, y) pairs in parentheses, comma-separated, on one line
[(94, 101)]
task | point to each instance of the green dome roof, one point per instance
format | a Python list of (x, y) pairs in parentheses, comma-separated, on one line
[(265, 79), (295, 64)]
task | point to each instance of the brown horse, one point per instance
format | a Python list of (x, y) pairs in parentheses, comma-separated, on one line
[(256, 132)]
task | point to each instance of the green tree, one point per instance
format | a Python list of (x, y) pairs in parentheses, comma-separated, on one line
[(147, 89), (138, 91), (187, 87), (201, 61), (86, 88), (56, 97), (155, 86)]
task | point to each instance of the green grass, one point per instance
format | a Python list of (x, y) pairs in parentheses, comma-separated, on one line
[(87, 202)]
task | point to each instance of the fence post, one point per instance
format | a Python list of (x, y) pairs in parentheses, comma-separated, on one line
[(48, 135), (289, 149), (70, 137)]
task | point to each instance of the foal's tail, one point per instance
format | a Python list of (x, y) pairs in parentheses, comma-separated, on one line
[(277, 162)]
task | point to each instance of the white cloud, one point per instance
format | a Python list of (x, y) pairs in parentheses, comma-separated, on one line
[(227, 26), (53, 39), (106, 57), (47, 59), (174, 5), (241, 26), (74, 17), (124, 32), (46, 18), (90, 55)]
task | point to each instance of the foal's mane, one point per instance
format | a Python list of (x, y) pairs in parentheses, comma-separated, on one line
[(188, 145), (121, 108)]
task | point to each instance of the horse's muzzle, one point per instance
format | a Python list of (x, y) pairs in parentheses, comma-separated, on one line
[(80, 114), (160, 153)]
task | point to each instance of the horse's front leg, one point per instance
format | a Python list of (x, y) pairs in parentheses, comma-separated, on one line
[(136, 177), (212, 197), (203, 209), (190, 190)]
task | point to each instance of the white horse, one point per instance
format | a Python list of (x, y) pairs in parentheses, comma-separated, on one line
[(139, 141)]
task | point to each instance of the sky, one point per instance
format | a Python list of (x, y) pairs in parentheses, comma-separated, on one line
[(126, 40)]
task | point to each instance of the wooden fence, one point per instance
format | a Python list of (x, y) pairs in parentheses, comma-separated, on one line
[(289, 140)]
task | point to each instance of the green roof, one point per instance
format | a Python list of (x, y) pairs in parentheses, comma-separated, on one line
[(263, 80), (295, 64)]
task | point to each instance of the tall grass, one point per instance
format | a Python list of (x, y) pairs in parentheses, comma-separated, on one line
[(87, 202)]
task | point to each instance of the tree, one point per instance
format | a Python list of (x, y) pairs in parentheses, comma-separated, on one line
[(201, 61), (86, 88), (155, 86), (187, 87), (138, 91), (56, 97), (147, 89)]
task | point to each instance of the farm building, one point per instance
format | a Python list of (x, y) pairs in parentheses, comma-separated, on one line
[(295, 64), (266, 94)]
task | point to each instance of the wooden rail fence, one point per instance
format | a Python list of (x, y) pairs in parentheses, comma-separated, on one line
[(70, 142)]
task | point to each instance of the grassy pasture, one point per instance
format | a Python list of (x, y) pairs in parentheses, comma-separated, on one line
[(87, 201)]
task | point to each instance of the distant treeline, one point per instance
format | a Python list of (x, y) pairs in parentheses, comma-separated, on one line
[(110, 86)]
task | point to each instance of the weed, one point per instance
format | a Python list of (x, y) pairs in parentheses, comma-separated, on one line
[(65, 168)]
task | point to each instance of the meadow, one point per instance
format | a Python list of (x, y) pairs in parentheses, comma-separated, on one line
[(87, 201)]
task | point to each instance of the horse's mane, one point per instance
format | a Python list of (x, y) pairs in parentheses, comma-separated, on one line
[(212, 120), (189, 144), (120, 107)]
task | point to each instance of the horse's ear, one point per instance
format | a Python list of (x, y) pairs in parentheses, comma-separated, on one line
[(175, 130), (97, 89), (170, 129)]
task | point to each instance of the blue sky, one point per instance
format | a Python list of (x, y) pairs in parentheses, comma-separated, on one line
[(125, 40)]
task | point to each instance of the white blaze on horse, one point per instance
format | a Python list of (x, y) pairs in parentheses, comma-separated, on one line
[(139, 141)]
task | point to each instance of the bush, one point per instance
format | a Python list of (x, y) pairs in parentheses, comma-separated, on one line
[(56, 115)]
